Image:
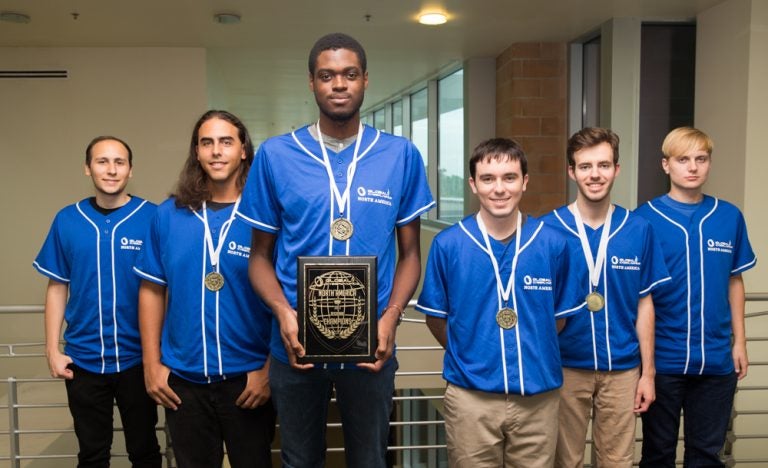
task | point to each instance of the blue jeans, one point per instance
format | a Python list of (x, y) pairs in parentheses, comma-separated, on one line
[(364, 400), (706, 401)]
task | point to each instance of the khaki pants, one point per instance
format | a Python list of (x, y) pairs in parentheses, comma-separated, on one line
[(610, 396), (496, 430)]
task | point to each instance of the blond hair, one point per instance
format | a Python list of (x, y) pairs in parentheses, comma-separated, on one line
[(684, 140)]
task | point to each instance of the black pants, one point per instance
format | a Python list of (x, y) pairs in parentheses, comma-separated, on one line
[(91, 398), (208, 418)]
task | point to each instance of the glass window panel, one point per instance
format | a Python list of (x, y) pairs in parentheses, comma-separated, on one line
[(450, 166), (419, 127), (397, 118), (380, 119)]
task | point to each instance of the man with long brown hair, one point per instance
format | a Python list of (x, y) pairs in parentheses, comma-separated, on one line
[(205, 352)]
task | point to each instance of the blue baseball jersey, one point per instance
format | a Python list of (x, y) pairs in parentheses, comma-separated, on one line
[(693, 315), (94, 253), (606, 340), (460, 286), (288, 194), (207, 335)]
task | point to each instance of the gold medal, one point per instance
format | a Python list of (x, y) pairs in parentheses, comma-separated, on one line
[(595, 301), (341, 229), (506, 318), (214, 281)]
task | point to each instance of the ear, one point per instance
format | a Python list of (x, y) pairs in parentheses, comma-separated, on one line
[(311, 82), (472, 185), (665, 165), (87, 170), (525, 182), (618, 170), (365, 80), (571, 173)]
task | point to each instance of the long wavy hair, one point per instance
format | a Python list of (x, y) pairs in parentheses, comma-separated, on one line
[(192, 188)]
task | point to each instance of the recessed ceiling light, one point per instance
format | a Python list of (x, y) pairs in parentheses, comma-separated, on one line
[(226, 18), (14, 17), (433, 19)]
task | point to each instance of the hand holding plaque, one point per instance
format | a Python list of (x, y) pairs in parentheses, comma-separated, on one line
[(337, 309)]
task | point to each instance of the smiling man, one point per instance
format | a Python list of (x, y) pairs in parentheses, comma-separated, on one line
[(87, 258), (204, 332), (701, 349), (607, 351), (335, 188), (494, 285)]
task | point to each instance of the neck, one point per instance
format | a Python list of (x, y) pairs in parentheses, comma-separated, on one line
[(224, 192), (112, 200), (593, 213), (339, 129), (499, 228), (686, 196)]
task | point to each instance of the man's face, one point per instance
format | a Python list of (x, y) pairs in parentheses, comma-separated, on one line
[(339, 84), (219, 150), (499, 186), (594, 172), (689, 171), (109, 168)]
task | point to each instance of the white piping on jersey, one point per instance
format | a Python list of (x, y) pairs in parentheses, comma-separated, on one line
[(701, 268), (114, 282), (514, 306), (418, 212), (149, 277), (743, 267), (431, 310), (653, 285), (607, 309), (98, 281), (253, 221), (348, 208), (49, 273), (688, 280), (202, 309)]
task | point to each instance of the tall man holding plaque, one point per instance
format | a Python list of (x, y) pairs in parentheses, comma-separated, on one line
[(701, 349), (494, 286), (204, 332), (328, 203), (607, 351), (87, 258)]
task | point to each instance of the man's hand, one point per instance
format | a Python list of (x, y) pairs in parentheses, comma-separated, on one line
[(740, 361), (289, 333), (645, 394), (156, 382), (387, 329), (256, 391), (57, 364)]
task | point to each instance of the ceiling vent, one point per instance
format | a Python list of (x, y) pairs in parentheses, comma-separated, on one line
[(27, 74)]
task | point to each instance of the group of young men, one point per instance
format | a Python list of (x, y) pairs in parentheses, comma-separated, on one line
[(192, 304)]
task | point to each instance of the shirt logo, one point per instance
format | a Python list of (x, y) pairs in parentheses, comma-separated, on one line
[(130, 244), (719, 246), (537, 284), (368, 195), (619, 263), (233, 248)]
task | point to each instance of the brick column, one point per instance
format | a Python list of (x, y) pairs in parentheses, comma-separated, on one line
[(531, 107)]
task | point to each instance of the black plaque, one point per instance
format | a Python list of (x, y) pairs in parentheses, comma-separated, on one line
[(337, 308)]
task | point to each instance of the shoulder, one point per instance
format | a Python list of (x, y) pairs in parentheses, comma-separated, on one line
[(725, 206)]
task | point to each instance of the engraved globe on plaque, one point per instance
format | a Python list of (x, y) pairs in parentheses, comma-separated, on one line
[(335, 303), (336, 308)]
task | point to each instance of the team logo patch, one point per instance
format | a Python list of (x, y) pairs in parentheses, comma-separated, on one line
[(369, 195), (537, 284), (719, 246), (130, 244), (233, 248), (621, 263)]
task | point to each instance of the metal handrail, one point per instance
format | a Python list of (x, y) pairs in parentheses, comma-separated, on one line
[(15, 432)]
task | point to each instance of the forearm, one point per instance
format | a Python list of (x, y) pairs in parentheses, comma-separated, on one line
[(408, 268), (151, 318), (645, 327), (736, 299), (262, 274), (55, 305)]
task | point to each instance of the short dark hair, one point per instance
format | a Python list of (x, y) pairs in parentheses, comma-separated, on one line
[(101, 138), (192, 188), (498, 149), (336, 41), (589, 137)]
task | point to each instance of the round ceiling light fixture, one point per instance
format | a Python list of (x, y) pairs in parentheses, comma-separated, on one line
[(14, 17), (226, 18), (433, 18)]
